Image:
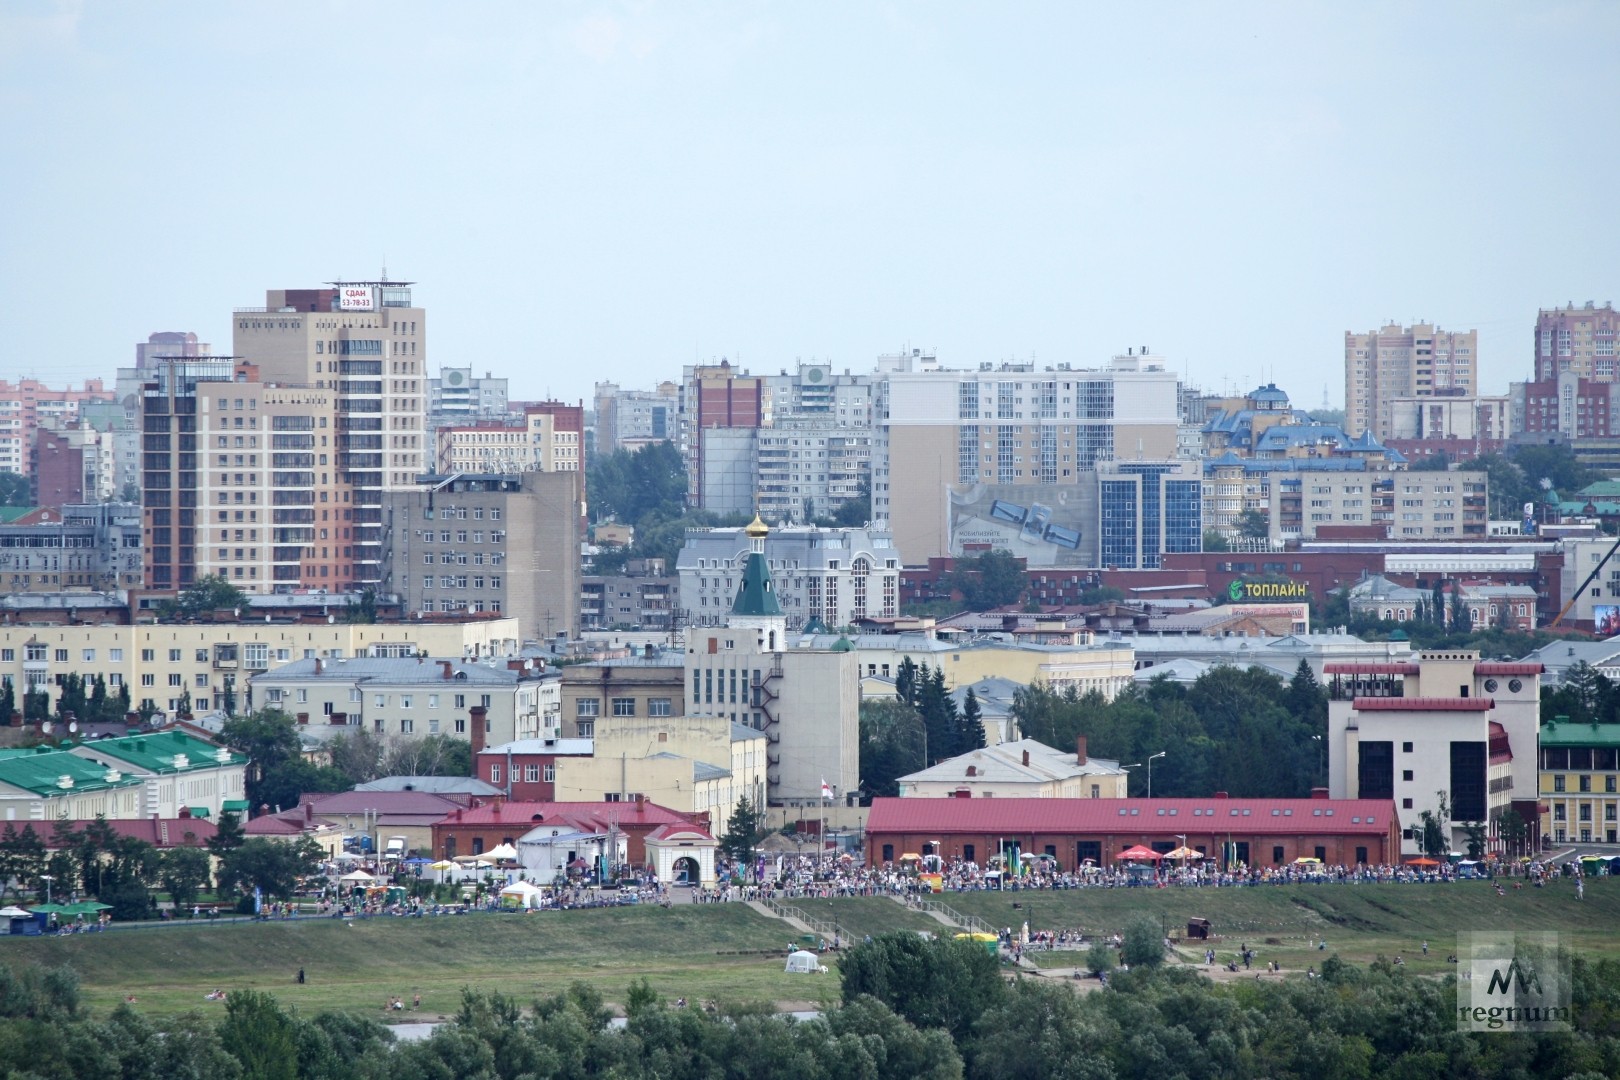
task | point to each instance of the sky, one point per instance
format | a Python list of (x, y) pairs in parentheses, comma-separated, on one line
[(612, 190)]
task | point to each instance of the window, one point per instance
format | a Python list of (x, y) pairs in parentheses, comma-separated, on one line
[(588, 707), (433, 701), (1406, 774), (89, 656), (176, 680), (1586, 782), (587, 729), (148, 680), (659, 706), (1406, 804), (405, 701), (495, 774), (174, 656), (1406, 748), (548, 774), (624, 706), (147, 655), (531, 774), (1558, 782), (379, 701), (303, 697)]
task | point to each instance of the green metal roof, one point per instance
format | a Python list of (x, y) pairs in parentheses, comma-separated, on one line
[(1570, 733), (42, 773), (1603, 489), (8, 514), (234, 806), (756, 596), (156, 753)]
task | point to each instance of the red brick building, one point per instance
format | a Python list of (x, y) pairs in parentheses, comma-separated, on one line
[(475, 830), (1262, 832), (526, 769)]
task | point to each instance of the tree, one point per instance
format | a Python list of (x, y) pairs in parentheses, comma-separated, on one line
[(631, 485), (183, 871), (131, 493), (228, 835), (362, 609), (1100, 957), (1474, 837), (891, 746), (938, 711), (208, 594), (1143, 944), (271, 866), (934, 983), (269, 738), (1435, 841), (259, 1035), (1254, 525), (992, 580), (432, 755), (15, 490), (1215, 540), (972, 723), (1437, 462), (1513, 830), (8, 702), (357, 755), (22, 857), (743, 832)]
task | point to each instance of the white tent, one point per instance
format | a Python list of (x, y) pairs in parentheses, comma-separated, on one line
[(804, 963), (501, 852), (522, 894), (358, 877)]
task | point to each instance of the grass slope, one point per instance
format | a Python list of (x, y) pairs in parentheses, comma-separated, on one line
[(728, 951)]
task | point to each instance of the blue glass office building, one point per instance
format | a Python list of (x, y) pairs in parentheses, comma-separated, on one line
[(1147, 509)]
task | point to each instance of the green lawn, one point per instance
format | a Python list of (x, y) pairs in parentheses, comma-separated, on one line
[(357, 965), (729, 952)]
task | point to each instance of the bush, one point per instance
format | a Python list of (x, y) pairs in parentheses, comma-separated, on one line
[(1144, 942), (1100, 957)]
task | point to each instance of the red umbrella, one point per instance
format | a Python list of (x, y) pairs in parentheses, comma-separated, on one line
[(1138, 853)]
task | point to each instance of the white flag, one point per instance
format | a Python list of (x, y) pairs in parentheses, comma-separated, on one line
[(826, 790)]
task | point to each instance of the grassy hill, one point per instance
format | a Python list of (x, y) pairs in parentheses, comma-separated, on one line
[(728, 951)]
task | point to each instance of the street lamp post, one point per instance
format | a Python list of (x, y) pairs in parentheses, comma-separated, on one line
[(1150, 761), (47, 879), (1132, 765), (1321, 752)]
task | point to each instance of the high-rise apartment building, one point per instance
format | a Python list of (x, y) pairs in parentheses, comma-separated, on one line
[(28, 405), (364, 343), (715, 396), (630, 419), (545, 437), (168, 345), (1578, 341), (457, 396), (1421, 360), (1007, 456), (240, 479)]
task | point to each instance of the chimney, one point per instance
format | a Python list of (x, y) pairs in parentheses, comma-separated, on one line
[(1080, 749), (458, 813), (1026, 759), (309, 812), (318, 665), (641, 802), (479, 721), (1319, 792), (495, 806), (445, 669)]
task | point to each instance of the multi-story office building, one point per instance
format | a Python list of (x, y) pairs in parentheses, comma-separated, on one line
[(1471, 419), (79, 546), (1421, 360), (1148, 509), (457, 396), (630, 419), (643, 601), (545, 437), (1449, 726), (832, 575), (1578, 341), (27, 405), (949, 447), (364, 343), (241, 479), (1407, 505), (717, 399), (490, 542), (72, 465)]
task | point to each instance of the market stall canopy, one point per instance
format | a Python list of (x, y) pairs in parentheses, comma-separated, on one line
[(1306, 860), (500, 852), (1421, 862), (1133, 854), (1184, 853), (357, 876), (442, 864), (14, 912)]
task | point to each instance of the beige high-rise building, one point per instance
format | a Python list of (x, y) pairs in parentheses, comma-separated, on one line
[(941, 434), (1578, 341), (365, 343), (1421, 360)]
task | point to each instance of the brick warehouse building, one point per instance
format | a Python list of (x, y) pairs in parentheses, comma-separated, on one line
[(1262, 832)]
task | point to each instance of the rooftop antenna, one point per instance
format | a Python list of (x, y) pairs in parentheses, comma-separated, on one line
[(385, 267)]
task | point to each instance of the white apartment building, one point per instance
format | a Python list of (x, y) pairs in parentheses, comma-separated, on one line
[(834, 575), (943, 435), (1409, 505), (1421, 360)]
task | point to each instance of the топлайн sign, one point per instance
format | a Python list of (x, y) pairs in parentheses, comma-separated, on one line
[(1240, 591)]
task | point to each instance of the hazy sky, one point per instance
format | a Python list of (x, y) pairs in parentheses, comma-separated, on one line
[(589, 191)]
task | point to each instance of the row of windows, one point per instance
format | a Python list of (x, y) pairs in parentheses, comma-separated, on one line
[(590, 708)]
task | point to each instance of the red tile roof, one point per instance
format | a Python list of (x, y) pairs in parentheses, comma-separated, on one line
[(384, 802), (1499, 668), (1168, 817), (588, 816), (159, 832), (1424, 704), (664, 832), (1369, 669)]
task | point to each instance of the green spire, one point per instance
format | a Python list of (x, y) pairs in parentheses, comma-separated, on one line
[(756, 596)]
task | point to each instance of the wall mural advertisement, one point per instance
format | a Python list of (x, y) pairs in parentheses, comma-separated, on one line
[(1043, 524)]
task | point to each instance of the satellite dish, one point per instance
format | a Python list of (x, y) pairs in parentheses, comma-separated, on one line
[(46, 727), (73, 727)]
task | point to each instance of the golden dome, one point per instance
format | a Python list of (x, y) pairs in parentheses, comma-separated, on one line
[(757, 527)]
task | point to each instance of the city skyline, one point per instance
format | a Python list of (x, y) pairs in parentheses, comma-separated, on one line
[(615, 192)]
